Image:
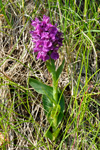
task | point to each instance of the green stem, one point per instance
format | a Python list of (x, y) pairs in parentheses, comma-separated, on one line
[(52, 69), (85, 8), (55, 88), (55, 82)]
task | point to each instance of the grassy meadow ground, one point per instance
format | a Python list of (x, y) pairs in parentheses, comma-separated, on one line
[(23, 124)]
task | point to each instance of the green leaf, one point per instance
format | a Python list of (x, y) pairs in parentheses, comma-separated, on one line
[(55, 134), (47, 104), (56, 109), (62, 105), (51, 108), (62, 101), (59, 70), (49, 135), (50, 68), (53, 63), (41, 88), (54, 113)]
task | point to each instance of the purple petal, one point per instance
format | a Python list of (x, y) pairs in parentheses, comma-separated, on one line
[(43, 56), (46, 19), (54, 55), (39, 43), (53, 30), (44, 35), (52, 36), (35, 22), (45, 49), (49, 25), (47, 43)]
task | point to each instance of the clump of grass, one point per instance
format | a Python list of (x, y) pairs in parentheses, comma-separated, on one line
[(22, 119)]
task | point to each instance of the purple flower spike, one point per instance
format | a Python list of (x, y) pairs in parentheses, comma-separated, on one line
[(47, 39)]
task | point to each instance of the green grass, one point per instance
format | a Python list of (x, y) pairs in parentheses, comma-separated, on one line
[(22, 119)]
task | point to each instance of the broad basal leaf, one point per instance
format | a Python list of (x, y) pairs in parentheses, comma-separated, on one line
[(41, 88)]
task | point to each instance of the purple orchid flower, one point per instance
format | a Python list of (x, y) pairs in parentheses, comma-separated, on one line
[(47, 39)]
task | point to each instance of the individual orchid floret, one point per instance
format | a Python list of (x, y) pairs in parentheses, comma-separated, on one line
[(47, 39)]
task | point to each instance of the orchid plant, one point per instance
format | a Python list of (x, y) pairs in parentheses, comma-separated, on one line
[(47, 40)]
